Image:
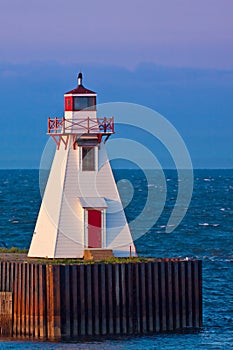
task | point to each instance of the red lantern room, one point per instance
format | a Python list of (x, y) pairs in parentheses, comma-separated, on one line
[(80, 98), (80, 117)]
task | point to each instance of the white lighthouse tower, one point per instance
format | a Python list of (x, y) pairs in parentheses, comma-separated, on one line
[(81, 208)]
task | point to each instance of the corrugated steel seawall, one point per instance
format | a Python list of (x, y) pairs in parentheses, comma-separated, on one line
[(70, 301)]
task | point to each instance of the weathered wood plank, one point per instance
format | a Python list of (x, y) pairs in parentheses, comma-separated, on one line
[(149, 299), (6, 314), (89, 292), (170, 325), (102, 293), (1, 276), (156, 288), (176, 284), (67, 301), (183, 289), (23, 301), (123, 291), (200, 291), (8, 276), (143, 301), (27, 301), (136, 297), (96, 298), (32, 300), (16, 295), (19, 315), (74, 300), (3, 273), (42, 302), (162, 296), (116, 304), (56, 289), (49, 301), (130, 301), (82, 291), (109, 283), (189, 280), (36, 302)]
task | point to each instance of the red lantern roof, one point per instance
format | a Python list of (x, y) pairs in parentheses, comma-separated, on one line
[(80, 89)]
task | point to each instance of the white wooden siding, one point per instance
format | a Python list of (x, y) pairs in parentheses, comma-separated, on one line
[(44, 238), (60, 224), (70, 240)]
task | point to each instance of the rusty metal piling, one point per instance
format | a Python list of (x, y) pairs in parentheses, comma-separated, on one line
[(72, 301)]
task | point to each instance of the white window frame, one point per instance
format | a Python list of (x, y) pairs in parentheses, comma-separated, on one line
[(95, 158)]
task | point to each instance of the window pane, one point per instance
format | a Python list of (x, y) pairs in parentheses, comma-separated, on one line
[(88, 158), (81, 103)]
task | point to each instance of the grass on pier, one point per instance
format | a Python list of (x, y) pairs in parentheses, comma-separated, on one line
[(13, 250), (20, 255), (14, 253)]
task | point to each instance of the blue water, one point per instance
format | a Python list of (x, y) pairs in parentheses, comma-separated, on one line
[(206, 233)]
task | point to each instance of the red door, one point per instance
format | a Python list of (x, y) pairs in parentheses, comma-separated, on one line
[(94, 228)]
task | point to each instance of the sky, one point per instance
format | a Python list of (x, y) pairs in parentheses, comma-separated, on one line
[(175, 56)]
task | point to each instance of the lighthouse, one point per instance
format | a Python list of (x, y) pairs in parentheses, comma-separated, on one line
[(81, 209)]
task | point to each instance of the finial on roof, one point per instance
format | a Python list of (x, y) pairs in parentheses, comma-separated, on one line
[(80, 79)]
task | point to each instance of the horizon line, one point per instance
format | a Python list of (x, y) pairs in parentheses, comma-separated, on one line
[(119, 168)]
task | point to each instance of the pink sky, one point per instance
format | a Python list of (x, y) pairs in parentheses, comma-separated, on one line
[(171, 32)]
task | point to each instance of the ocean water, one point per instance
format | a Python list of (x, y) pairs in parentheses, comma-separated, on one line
[(206, 233)]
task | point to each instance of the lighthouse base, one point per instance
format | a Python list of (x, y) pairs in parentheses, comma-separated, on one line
[(98, 254), (62, 301)]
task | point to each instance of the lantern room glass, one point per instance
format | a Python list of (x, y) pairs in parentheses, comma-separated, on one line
[(84, 103)]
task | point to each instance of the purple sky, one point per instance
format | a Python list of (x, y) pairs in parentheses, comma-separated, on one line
[(171, 32), (175, 56)]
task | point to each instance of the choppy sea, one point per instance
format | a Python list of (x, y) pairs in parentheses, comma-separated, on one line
[(206, 233)]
